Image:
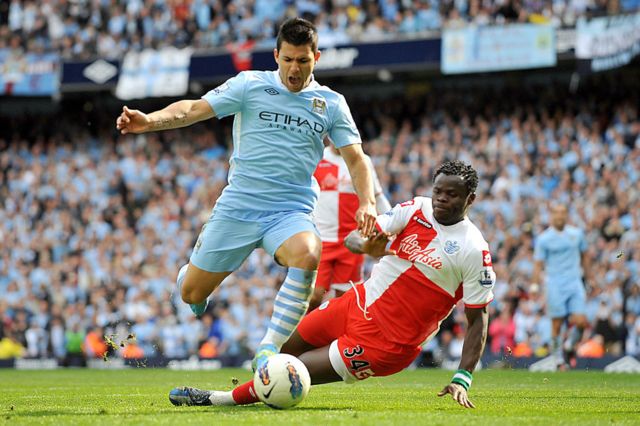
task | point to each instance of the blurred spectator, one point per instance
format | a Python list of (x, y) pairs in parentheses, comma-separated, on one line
[(37, 339), (502, 331), (10, 348), (74, 347), (592, 347), (94, 344)]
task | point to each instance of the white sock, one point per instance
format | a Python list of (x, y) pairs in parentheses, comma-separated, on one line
[(221, 398)]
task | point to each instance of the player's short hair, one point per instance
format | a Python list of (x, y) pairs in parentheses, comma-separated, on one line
[(298, 32), (462, 169), (558, 204)]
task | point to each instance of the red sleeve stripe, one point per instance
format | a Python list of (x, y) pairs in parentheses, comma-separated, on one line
[(478, 306)]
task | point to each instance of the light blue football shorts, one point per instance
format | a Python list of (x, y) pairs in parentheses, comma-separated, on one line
[(224, 243), (572, 299)]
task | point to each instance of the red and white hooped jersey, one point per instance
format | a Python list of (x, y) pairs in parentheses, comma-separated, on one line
[(411, 293), (337, 202)]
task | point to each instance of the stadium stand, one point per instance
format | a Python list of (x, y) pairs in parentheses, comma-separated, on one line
[(94, 225), (81, 29)]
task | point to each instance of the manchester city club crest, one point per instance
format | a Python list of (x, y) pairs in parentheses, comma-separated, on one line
[(451, 247), (319, 106)]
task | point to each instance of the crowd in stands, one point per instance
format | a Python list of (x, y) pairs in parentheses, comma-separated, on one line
[(94, 226), (109, 28)]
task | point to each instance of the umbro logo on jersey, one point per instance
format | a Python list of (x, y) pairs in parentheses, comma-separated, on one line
[(272, 91), (423, 222)]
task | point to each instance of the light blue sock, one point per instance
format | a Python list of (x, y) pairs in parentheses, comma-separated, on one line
[(575, 335), (556, 348), (290, 306)]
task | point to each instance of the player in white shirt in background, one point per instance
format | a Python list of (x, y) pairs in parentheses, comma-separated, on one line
[(335, 218), (438, 258)]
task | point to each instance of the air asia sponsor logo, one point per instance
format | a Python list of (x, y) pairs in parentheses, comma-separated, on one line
[(486, 258), (411, 248), (423, 222), (291, 122)]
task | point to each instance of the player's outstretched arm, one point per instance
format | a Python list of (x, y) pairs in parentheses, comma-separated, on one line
[(178, 114), (362, 180), (375, 246), (475, 338)]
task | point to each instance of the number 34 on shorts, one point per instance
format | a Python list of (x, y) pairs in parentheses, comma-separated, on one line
[(358, 366)]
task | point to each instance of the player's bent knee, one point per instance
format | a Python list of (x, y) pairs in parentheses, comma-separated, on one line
[(189, 297), (192, 295), (296, 345), (300, 251), (580, 321), (308, 261)]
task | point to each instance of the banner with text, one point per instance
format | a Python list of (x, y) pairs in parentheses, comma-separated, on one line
[(497, 48), (608, 42), (30, 74), (154, 73)]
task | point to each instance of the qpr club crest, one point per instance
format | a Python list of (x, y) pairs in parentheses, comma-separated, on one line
[(451, 247)]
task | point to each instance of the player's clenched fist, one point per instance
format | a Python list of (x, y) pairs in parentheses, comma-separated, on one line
[(132, 121)]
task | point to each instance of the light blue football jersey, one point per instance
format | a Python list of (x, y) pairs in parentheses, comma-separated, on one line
[(561, 253), (277, 142)]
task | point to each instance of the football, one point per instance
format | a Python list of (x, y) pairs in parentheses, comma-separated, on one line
[(282, 382)]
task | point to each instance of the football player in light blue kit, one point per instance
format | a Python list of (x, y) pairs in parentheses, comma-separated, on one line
[(559, 252), (280, 120)]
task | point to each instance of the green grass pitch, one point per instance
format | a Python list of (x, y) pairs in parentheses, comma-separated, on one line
[(139, 396)]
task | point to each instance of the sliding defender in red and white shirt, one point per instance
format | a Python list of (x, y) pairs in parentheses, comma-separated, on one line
[(438, 257), (335, 218)]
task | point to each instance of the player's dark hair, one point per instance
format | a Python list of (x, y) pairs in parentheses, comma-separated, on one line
[(462, 169), (298, 32)]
